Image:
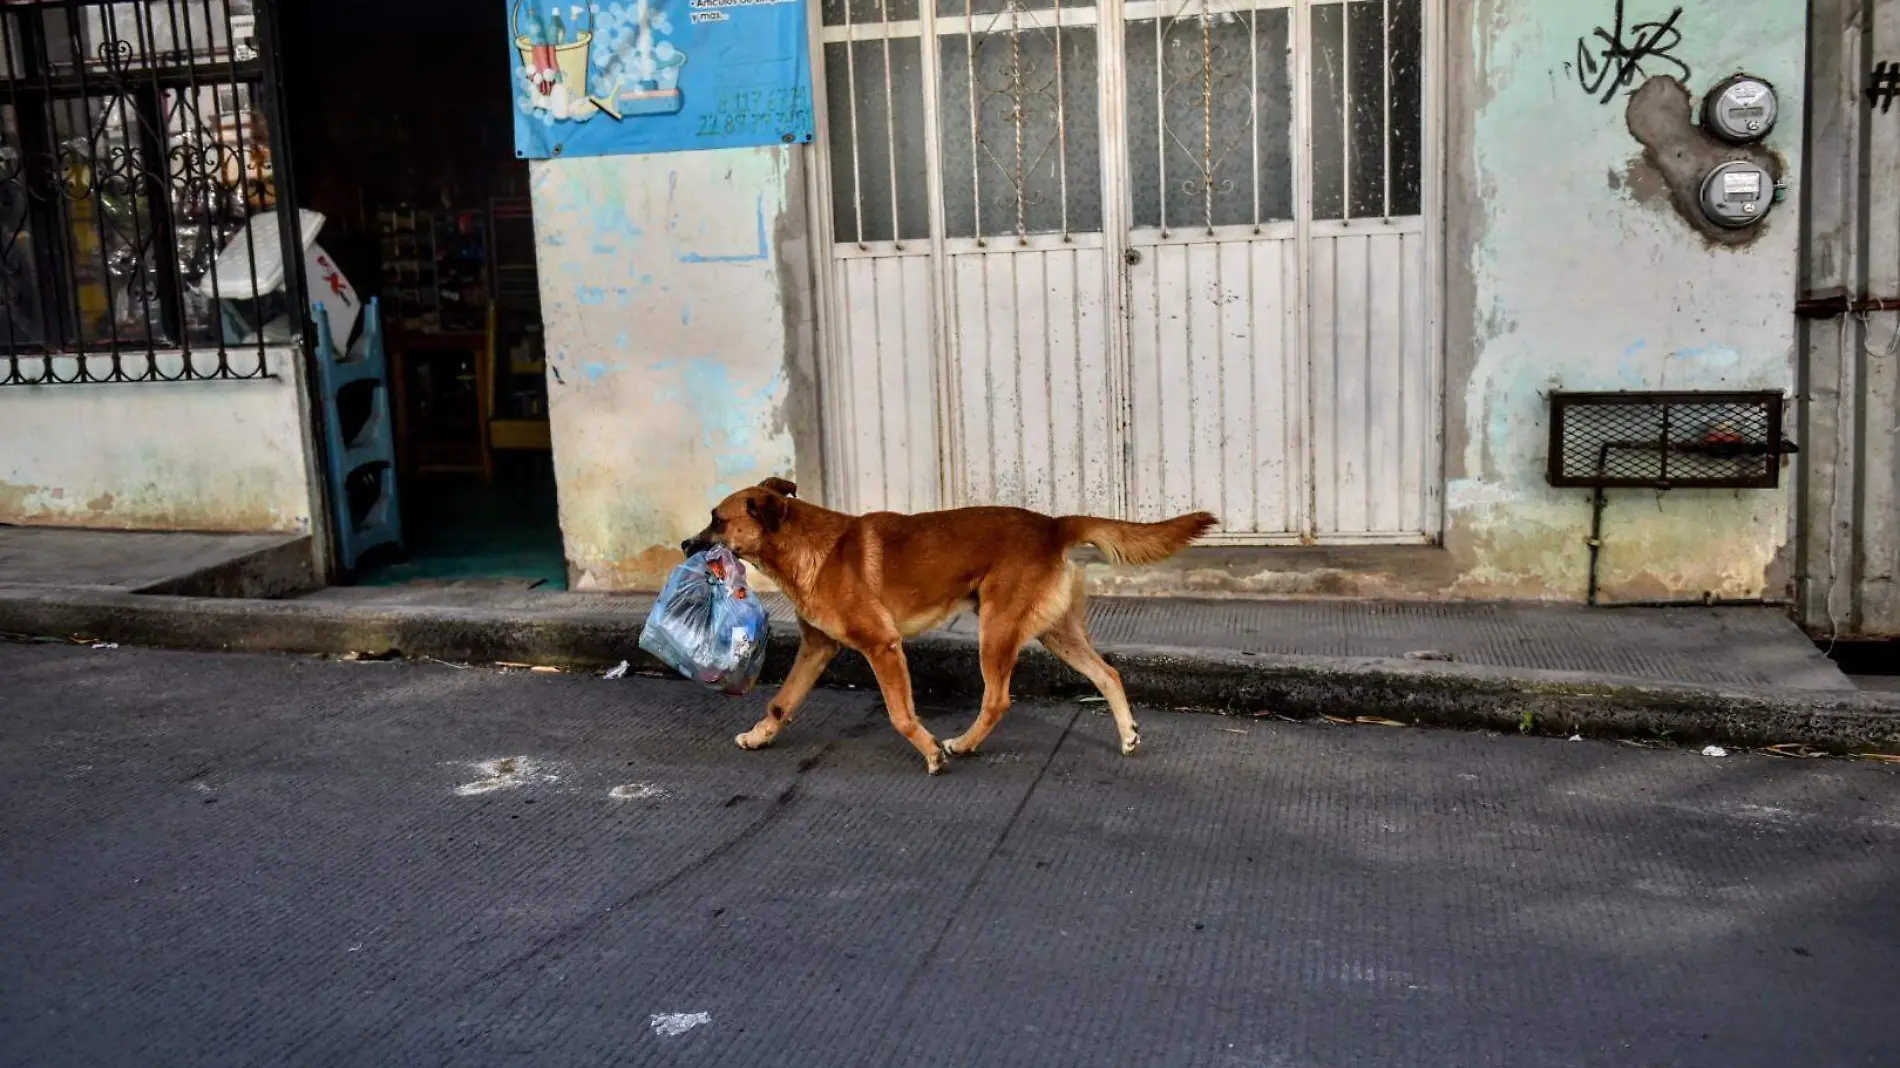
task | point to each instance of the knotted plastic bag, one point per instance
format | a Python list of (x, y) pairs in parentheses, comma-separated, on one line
[(707, 625)]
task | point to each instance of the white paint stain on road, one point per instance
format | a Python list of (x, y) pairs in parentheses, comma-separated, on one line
[(636, 791), (675, 1024), (503, 773)]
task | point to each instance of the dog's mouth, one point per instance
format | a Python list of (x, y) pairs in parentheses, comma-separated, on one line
[(696, 545)]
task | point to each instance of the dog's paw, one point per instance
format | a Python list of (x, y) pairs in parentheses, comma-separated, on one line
[(936, 762), (749, 741), (955, 748), (1131, 745)]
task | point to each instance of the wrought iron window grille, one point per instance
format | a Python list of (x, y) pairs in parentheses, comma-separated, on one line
[(137, 140)]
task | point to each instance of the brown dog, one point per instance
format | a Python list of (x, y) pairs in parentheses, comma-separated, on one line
[(869, 582)]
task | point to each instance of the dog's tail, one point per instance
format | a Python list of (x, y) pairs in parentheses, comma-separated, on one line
[(1134, 543)]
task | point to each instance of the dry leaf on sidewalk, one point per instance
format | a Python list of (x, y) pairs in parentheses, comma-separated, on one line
[(1795, 750)]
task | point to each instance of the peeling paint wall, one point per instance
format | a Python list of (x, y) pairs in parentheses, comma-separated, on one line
[(676, 292), (1569, 266), (223, 457)]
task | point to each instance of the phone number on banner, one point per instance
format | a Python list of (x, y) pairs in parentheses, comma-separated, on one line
[(757, 111)]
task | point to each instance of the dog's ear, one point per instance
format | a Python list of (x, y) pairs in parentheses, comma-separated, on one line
[(769, 511), (781, 486)]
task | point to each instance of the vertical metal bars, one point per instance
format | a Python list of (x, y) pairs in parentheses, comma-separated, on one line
[(125, 192)]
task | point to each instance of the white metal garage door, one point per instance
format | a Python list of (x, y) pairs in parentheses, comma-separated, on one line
[(1157, 256)]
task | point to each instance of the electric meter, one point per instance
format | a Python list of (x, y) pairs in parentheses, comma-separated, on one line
[(1738, 194), (1741, 109)]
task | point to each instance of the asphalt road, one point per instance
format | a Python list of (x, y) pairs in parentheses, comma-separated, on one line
[(220, 860)]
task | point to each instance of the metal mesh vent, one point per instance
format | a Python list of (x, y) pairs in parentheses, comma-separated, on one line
[(1667, 440)]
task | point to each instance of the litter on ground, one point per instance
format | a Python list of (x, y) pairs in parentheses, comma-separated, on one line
[(674, 1024)]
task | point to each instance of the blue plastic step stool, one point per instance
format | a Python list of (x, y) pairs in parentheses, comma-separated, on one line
[(371, 452)]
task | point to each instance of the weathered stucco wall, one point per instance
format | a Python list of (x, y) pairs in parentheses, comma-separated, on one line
[(676, 292), (225, 457), (1568, 267)]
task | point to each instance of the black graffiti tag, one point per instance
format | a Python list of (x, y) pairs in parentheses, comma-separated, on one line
[(1613, 61), (1883, 86)]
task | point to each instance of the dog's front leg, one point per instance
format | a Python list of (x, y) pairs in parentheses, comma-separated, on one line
[(815, 650), (893, 678)]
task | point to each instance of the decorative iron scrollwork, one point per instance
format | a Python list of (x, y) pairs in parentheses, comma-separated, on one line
[(1023, 87), (1210, 140), (122, 178)]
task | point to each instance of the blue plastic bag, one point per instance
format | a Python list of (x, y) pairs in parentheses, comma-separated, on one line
[(707, 625)]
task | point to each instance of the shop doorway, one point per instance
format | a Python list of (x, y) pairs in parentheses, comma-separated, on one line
[(402, 134)]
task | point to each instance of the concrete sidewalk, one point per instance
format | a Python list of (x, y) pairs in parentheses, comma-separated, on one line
[(157, 562), (1690, 675)]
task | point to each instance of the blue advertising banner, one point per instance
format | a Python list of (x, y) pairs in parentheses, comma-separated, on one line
[(617, 77)]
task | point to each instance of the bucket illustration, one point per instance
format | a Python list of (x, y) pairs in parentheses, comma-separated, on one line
[(570, 59), (558, 66)]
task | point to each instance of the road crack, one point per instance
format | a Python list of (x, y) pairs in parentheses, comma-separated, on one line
[(983, 867)]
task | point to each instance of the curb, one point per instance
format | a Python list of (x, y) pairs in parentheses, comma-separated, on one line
[(945, 666)]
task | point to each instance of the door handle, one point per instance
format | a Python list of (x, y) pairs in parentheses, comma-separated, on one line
[(1131, 257)]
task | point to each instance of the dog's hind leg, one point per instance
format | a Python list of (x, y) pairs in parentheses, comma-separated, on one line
[(1015, 609), (999, 643), (815, 650), (886, 655), (1069, 640)]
